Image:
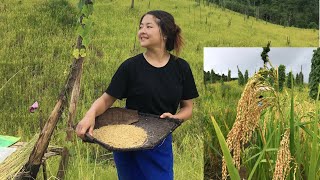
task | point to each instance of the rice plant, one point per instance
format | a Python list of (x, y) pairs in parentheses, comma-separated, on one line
[(273, 131)]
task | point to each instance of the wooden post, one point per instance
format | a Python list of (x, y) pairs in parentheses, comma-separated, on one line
[(73, 104), (41, 145), (63, 163), (44, 170)]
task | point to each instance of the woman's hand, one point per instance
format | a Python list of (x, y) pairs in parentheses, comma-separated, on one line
[(86, 124), (167, 115), (184, 113), (98, 107)]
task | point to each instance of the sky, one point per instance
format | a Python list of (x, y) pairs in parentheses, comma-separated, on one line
[(222, 59)]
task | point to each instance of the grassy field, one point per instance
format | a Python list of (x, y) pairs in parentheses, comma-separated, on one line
[(38, 38)]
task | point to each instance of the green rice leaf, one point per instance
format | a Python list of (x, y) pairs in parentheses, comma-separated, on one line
[(260, 157), (314, 150), (234, 174)]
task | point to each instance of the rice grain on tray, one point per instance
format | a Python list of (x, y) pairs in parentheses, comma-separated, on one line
[(121, 136)]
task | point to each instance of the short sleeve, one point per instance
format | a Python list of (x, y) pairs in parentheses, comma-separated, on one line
[(119, 82), (189, 86)]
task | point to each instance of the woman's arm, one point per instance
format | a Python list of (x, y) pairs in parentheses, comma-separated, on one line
[(97, 108), (184, 113)]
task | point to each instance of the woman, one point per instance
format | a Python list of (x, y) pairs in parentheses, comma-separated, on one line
[(154, 82)]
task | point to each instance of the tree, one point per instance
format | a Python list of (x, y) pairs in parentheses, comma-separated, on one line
[(314, 76), (264, 54), (240, 77), (206, 76), (132, 4), (212, 76), (282, 76), (229, 75), (301, 76), (289, 80), (297, 79), (271, 78), (246, 77)]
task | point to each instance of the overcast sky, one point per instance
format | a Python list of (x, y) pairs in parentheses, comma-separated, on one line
[(222, 59)]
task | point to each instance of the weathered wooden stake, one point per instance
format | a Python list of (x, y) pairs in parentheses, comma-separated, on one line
[(44, 170), (73, 104), (63, 163), (41, 145)]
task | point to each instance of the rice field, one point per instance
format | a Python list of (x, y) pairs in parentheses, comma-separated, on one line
[(38, 38), (276, 140)]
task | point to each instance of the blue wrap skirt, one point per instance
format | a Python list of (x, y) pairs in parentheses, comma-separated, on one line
[(152, 164)]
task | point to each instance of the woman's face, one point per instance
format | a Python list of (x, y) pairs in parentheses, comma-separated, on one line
[(149, 33)]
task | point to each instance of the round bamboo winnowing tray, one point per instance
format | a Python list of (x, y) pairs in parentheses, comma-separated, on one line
[(156, 129)]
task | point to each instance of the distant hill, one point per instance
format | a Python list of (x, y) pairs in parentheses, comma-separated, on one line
[(298, 13)]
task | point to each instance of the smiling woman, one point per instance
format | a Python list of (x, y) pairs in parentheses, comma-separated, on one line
[(155, 82)]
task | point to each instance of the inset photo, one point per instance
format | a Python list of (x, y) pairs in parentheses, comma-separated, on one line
[(262, 112)]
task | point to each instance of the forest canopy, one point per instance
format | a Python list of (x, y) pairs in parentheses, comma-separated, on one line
[(297, 13)]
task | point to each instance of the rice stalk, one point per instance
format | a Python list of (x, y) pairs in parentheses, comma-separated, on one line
[(312, 174), (16, 161), (261, 154), (292, 129), (249, 109), (282, 167)]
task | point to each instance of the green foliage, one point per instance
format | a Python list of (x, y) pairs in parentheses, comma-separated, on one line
[(79, 53), (246, 76), (241, 81), (313, 25), (234, 174), (270, 78), (296, 13), (289, 80), (301, 77), (314, 76), (282, 76), (81, 3), (84, 27), (224, 88), (297, 79), (213, 78), (264, 54), (315, 154), (229, 75), (292, 128)]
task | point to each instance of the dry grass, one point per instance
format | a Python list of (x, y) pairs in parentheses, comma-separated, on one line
[(15, 162)]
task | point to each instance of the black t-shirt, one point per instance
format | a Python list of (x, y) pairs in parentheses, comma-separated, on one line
[(151, 89)]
